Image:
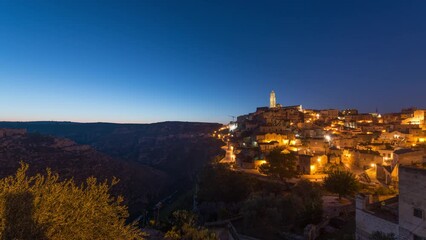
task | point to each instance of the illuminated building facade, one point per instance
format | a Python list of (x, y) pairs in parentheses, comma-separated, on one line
[(272, 100)]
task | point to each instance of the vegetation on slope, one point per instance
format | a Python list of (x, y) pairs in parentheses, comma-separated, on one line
[(43, 207)]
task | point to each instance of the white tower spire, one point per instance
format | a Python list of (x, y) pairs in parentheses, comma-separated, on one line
[(272, 100)]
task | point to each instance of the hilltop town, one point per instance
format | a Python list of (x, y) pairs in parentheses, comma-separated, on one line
[(383, 152)]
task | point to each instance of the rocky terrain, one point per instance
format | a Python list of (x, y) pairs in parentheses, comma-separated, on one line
[(151, 160), (138, 183)]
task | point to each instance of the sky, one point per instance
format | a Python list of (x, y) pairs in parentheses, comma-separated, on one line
[(150, 61)]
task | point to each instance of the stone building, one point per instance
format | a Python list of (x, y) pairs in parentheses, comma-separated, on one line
[(412, 203), (404, 215), (407, 156)]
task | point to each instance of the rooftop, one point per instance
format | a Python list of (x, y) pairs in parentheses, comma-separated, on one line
[(404, 150), (387, 209)]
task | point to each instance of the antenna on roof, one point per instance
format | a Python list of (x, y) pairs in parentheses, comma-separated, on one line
[(233, 117)]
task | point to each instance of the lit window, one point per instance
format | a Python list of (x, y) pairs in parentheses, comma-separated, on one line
[(418, 213)]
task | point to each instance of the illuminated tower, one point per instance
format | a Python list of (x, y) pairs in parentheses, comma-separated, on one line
[(272, 100)]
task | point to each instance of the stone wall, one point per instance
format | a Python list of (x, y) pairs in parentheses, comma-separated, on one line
[(412, 188), (367, 222)]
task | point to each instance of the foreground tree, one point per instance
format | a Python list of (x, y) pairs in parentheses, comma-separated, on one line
[(42, 207), (377, 235), (185, 228), (279, 164), (341, 182)]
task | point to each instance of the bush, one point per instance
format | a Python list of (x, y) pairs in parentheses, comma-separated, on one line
[(384, 191), (42, 207), (300, 207), (185, 228), (341, 182), (219, 184)]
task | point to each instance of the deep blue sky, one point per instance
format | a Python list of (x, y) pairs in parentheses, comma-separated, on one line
[(148, 61)]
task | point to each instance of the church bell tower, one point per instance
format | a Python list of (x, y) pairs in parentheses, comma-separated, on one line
[(272, 100)]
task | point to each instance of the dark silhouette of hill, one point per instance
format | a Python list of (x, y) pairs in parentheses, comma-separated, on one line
[(152, 160), (138, 183)]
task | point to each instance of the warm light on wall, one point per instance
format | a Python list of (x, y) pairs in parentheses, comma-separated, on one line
[(327, 138)]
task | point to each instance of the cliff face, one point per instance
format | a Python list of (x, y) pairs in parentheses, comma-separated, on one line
[(138, 183)]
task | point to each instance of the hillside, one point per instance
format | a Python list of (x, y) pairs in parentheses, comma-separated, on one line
[(152, 160), (138, 183)]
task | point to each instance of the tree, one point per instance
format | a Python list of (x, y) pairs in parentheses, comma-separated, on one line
[(219, 184), (268, 212), (341, 182), (185, 228), (42, 207), (311, 196), (377, 235), (279, 164), (332, 167)]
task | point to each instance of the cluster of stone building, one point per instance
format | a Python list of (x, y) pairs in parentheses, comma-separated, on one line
[(387, 149), (330, 136)]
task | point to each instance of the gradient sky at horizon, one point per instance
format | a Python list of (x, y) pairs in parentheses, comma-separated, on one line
[(149, 61)]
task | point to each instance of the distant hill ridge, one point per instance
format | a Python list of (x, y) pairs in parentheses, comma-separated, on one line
[(130, 142)]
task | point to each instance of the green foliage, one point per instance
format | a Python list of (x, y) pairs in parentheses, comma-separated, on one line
[(42, 207), (185, 228), (377, 235), (279, 164), (384, 191), (311, 197), (330, 167), (270, 211), (219, 184), (341, 182), (302, 206)]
